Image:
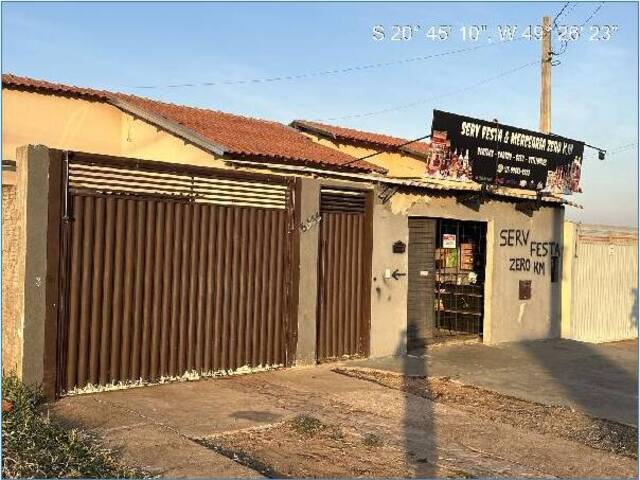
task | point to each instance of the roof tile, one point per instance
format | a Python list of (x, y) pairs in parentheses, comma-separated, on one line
[(375, 140), (238, 136)]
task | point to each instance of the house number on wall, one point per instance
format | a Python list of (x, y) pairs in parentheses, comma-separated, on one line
[(310, 222)]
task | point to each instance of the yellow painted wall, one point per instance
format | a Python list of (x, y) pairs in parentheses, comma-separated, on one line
[(85, 126), (397, 164)]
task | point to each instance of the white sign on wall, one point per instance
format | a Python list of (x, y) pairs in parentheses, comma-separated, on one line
[(448, 240)]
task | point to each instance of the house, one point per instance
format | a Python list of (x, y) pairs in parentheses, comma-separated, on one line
[(146, 241)]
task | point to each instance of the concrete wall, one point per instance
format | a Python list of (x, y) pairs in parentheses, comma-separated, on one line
[(12, 287), (388, 296), (307, 300), (25, 223), (506, 317)]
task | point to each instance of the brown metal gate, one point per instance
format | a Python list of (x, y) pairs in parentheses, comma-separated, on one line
[(421, 285), (344, 274), (171, 273)]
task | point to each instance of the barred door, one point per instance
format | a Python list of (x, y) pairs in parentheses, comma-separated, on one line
[(173, 273)]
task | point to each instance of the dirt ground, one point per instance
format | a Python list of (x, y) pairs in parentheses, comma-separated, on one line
[(316, 422), (559, 421), (305, 447)]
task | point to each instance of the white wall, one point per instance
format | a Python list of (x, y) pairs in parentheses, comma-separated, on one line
[(601, 284)]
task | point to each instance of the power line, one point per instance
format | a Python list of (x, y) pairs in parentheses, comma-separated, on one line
[(565, 43), (593, 14), (616, 150), (437, 97), (409, 142), (622, 148), (454, 92), (322, 73), (557, 17)]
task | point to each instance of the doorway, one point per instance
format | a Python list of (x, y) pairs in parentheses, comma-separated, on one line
[(446, 280)]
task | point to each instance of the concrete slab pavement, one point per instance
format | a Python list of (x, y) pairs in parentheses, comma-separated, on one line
[(598, 379), (159, 427), (141, 437)]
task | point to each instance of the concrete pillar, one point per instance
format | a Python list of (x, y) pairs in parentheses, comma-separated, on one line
[(308, 284), (32, 167), (388, 295)]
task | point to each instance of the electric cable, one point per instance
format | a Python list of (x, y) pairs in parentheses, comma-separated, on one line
[(436, 97), (322, 73)]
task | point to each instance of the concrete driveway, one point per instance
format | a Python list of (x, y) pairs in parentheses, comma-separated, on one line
[(165, 428), (598, 379)]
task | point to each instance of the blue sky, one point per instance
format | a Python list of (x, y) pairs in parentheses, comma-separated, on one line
[(118, 46)]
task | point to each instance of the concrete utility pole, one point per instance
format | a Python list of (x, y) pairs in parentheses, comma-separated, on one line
[(545, 81)]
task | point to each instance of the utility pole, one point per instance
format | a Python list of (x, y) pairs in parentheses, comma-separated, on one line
[(545, 80)]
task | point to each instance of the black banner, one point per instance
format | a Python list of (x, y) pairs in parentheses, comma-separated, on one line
[(488, 152)]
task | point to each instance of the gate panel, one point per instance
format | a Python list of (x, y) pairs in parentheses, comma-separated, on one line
[(344, 266), (421, 285), (162, 283)]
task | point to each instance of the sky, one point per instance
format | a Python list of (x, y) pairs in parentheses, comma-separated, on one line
[(123, 46)]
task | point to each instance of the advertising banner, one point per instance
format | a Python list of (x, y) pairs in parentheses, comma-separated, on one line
[(466, 148)]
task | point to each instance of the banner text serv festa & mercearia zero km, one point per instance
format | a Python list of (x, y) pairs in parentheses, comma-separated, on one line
[(467, 148)]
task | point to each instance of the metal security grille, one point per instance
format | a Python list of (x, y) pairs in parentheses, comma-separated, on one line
[(446, 280), (460, 275), (344, 271), (167, 275)]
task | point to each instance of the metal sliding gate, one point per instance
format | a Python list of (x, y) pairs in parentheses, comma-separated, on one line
[(171, 272), (344, 274)]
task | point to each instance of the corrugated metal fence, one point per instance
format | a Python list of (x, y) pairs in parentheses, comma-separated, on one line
[(600, 283), (163, 282), (344, 264)]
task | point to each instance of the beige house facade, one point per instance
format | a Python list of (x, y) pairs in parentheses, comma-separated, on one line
[(369, 256)]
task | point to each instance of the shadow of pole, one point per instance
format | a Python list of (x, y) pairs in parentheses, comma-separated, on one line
[(420, 442), (597, 380), (633, 316)]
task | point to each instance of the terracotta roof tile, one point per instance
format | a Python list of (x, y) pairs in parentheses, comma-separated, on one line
[(237, 136), (375, 140), (27, 83)]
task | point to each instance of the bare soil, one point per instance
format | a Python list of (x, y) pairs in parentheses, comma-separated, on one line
[(305, 447), (558, 421)]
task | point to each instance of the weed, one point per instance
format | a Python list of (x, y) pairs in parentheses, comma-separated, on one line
[(372, 440), (35, 446), (336, 433), (307, 424)]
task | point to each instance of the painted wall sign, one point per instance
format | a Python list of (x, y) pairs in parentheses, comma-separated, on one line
[(489, 152), (537, 251), (448, 240)]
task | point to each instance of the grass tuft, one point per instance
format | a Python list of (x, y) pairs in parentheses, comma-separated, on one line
[(35, 446), (307, 424), (372, 440)]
